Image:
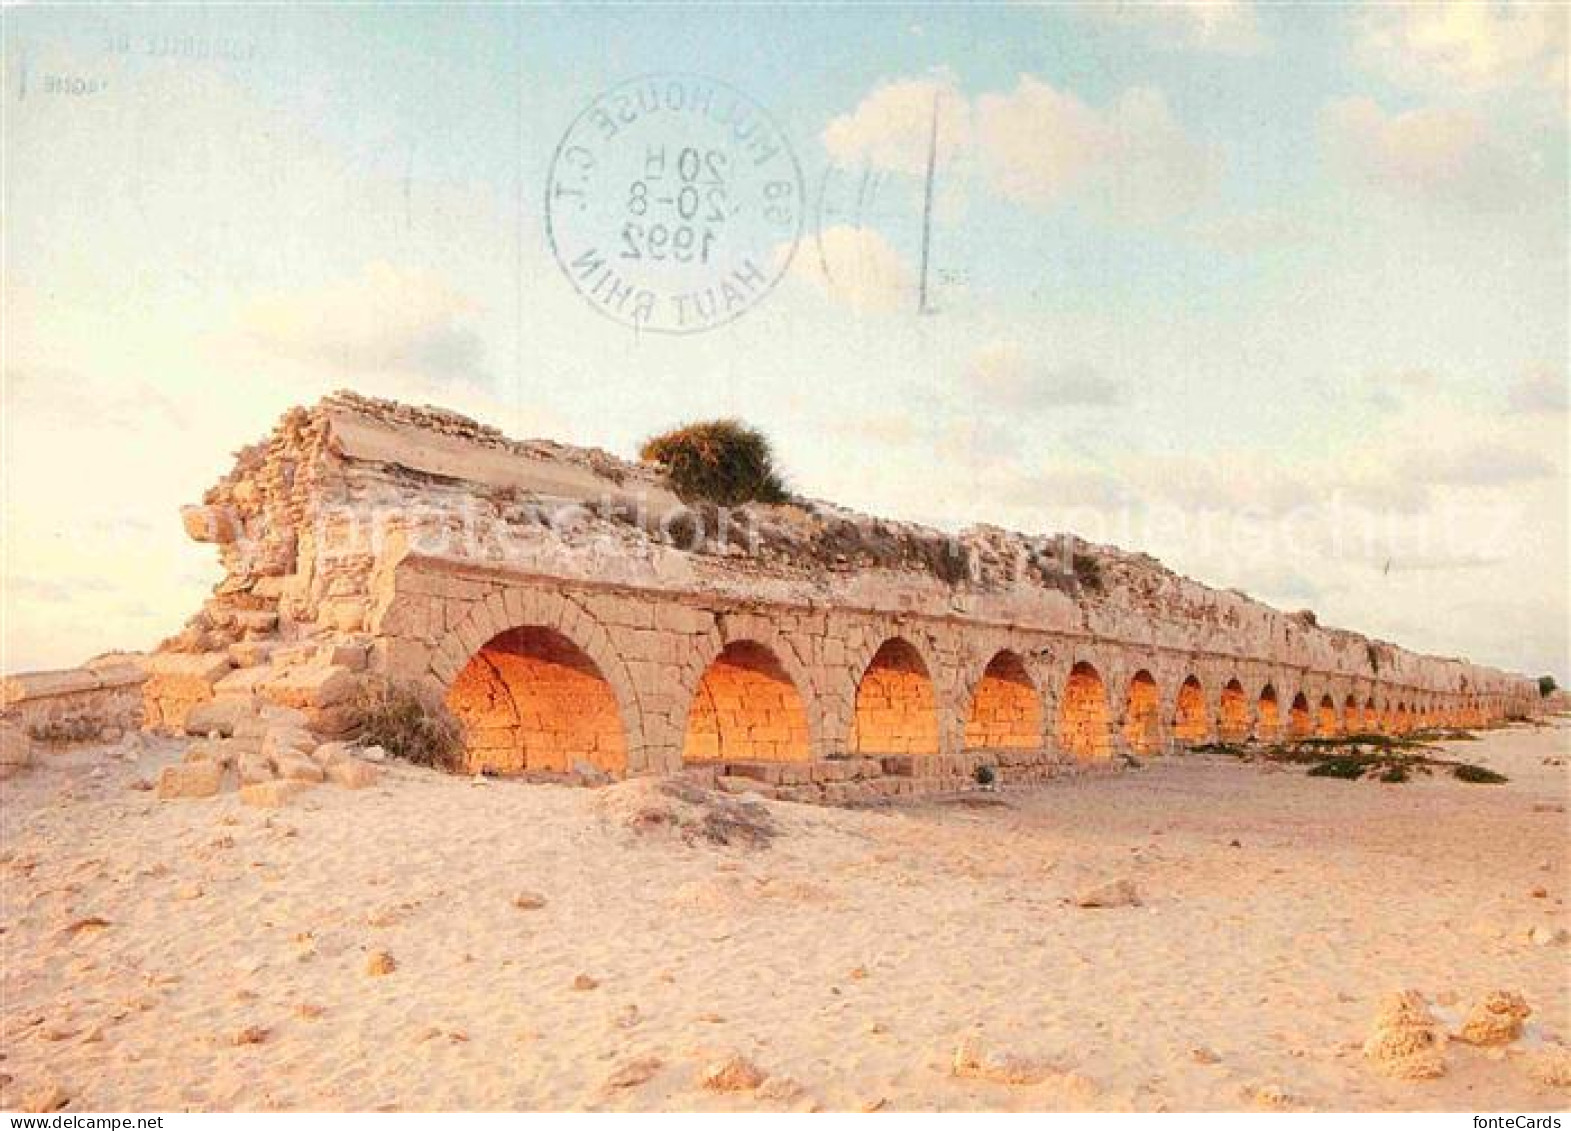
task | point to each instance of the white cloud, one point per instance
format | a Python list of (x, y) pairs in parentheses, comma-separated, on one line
[(1004, 375), (1228, 27), (1036, 145), (1437, 154), (857, 266), (1466, 44), (1040, 145), (388, 319), (893, 126)]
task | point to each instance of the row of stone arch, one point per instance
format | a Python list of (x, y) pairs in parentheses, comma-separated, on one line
[(530, 699)]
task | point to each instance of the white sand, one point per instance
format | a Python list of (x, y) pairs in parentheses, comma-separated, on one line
[(851, 956)]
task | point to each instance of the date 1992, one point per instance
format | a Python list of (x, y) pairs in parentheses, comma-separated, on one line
[(693, 202)]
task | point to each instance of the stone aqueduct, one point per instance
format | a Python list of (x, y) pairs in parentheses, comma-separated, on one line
[(547, 673), (367, 538)]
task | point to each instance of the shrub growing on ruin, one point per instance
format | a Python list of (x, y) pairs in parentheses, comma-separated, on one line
[(985, 775), (718, 461), (67, 731), (1088, 572), (409, 725)]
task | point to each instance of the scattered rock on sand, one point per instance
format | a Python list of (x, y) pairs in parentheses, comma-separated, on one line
[(734, 1073), (634, 1072), (1202, 1055), (677, 806), (1406, 1041), (190, 779), (331, 753), (1117, 893), (1271, 1097), (529, 901), (250, 1035), (972, 1061), (298, 767), (46, 1097), (1495, 1019), (353, 773), (254, 768), (1551, 1065), (380, 963), (584, 982), (87, 925), (1545, 935), (271, 794), (781, 1090)]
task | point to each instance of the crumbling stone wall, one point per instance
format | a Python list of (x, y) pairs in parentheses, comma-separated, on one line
[(102, 697), (577, 616)]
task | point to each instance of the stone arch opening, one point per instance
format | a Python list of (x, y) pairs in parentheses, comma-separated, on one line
[(1351, 722), (1404, 718), (1189, 713), (531, 699), (1269, 728), (1371, 720), (1299, 724), (1233, 713), (1143, 714), (1325, 717), (1084, 725), (896, 712), (1006, 710), (746, 709)]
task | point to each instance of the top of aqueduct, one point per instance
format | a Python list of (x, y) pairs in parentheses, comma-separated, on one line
[(309, 519)]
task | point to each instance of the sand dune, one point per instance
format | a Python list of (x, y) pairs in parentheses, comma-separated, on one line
[(544, 954)]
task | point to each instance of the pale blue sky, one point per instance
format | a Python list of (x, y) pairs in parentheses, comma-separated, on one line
[(1205, 268)]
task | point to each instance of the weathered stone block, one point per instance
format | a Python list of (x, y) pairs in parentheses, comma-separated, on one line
[(272, 794), (218, 525), (219, 715), (351, 773), (312, 686), (190, 779), (299, 767)]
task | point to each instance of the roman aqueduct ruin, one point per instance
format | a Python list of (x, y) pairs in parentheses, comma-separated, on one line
[(578, 618)]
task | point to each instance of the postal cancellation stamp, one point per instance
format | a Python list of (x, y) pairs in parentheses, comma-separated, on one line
[(674, 203)]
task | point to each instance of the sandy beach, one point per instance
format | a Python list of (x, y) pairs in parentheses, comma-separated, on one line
[(537, 951)]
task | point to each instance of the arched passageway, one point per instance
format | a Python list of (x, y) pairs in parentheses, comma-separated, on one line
[(1189, 713), (1006, 711), (1299, 723), (1143, 715), (530, 699), (1370, 722), (1325, 718), (896, 712), (1269, 726), (1233, 713), (1352, 721), (1084, 725), (746, 709)]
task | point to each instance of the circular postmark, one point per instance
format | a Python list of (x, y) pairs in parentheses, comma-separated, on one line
[(674, 203)]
